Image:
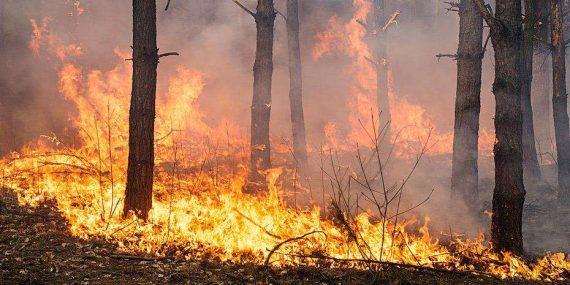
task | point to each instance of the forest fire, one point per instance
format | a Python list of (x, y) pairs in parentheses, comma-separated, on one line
[(412, 122), (200, 208)]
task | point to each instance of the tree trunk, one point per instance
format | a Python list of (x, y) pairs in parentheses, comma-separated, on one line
[(296, 84), (7, 136), (508, 196), (381, 54), (138, 194), (542, 66), (261, 103), (530, 161), (465, 176), (560, 100)]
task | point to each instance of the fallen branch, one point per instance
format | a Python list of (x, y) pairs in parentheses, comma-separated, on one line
[(135, 257), (258, 225), (403, 265), (271, 252)]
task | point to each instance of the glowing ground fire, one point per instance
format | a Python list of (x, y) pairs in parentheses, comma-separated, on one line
[(204, 211)]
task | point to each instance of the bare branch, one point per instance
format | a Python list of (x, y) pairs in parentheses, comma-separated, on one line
[(167, 5), (282, 15), (372, 61), (244, 8), (453, 6), (287, 241), (362, 23), (486, 13), (452, 56), (167, 54), (485, 45), (391, 21)]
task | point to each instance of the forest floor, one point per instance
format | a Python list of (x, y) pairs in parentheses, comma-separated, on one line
[(37, 248)]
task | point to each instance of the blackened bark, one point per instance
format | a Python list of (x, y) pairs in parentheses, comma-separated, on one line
[(530, 161), (296, 84), (261, 103), (560, 99), (465, 175), (508, 197), (381, 53), (138, 194)]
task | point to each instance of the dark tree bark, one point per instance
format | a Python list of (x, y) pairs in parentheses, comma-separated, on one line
[(261, 104), (381, 53), (465, 175), (530, 160), (508, 197), (560, 99), (138, 194), (296, 84)]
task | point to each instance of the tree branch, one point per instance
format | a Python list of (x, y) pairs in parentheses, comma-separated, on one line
[(268, 258), (282, 15), (244, 8), (167, 54), (453, 6), (391, 21), (452, 56), (167, 5), (486, 13), (363, 24), (373, 62)]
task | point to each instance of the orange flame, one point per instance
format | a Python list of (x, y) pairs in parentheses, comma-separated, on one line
[(200, 211), (411, 122)]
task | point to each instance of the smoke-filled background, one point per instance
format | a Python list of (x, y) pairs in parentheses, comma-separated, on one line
[(217, 39)]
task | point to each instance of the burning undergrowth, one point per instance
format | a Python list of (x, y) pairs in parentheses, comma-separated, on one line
[(198, 204)]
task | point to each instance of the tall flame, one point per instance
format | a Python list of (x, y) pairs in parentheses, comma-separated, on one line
[(411, 123)]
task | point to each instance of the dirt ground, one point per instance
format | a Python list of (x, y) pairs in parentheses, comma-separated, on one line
[(37, 248)]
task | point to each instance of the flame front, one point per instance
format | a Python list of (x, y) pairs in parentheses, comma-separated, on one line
[(201, 210)]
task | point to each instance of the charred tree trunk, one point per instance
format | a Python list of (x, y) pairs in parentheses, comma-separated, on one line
[(560, 99), (261, 104), (296, 84), (465, 175), (508, 197), (138, 194), (530, 161), (381, 53)]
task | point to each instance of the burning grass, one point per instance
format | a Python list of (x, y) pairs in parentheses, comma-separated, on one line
[(198, 205), (206, 214)]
